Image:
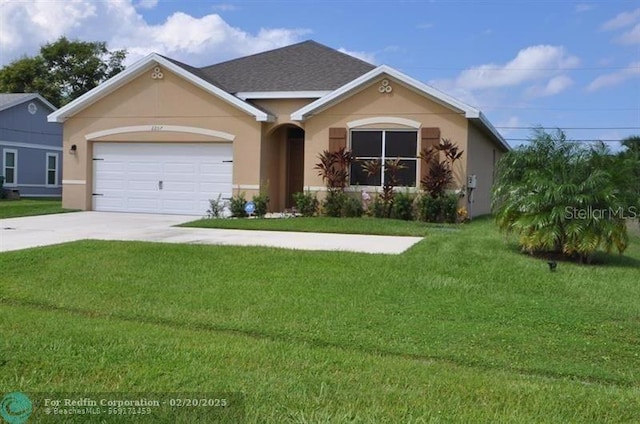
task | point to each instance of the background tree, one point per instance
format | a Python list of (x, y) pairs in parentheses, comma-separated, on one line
[(562, 197), (632, 144), (63, 70), (28, 75), (632, 157)]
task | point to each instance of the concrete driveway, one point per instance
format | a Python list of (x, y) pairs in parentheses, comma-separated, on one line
[(43, 230)]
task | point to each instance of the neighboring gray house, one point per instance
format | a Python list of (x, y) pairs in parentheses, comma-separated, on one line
[(30, 147)]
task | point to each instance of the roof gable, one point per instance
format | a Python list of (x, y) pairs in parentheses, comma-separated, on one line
[(144, 65), (360, 83), (9, 100), (303, 67)]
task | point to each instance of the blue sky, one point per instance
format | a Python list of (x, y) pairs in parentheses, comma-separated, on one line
[(556, 63)]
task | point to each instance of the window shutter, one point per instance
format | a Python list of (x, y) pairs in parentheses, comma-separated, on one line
[(337, 139), (429, 137)]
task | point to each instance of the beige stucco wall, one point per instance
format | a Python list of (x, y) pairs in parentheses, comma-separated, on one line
[(146, 101), (259, 148), (481, 156), (402, 102), (281, 109)]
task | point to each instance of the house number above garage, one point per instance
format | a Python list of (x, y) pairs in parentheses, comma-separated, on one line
[(157, 73)]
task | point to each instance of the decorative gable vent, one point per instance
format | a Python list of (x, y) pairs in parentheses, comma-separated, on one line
[(385, 86), (157, 73)]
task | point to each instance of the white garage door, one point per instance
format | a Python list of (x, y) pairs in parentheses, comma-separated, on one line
[(172, 178)]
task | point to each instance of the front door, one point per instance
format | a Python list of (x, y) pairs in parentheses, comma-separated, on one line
[(295, 164)]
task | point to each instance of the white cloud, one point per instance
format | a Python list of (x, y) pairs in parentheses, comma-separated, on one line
[(625, 20), (530, 64), (462, 94), (615, 78), (147, 4), (513, 121), (24, 24), (583, 7), (606, 61), (394, 49), (367, 57), (224, 7), (554, 86), (509, 125), (632, 36), (197, 41), (622, 20), (539, 70)]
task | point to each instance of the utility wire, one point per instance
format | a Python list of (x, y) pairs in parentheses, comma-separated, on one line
[(567, 128), (502, 69), (30, 131), (573, 141)]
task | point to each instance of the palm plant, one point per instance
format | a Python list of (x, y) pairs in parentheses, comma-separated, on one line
[(391, 169), (334, 168), (440, 175), (560, 197)]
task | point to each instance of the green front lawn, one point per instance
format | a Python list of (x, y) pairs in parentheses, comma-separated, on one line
[(390, 227), (460, 328), (30, 207)]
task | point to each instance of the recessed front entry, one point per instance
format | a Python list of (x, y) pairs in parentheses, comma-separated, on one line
[(171, 178), (295, 164)]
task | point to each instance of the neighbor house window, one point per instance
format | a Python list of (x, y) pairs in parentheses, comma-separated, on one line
[(383, 145), (52, 169), (10, 166)]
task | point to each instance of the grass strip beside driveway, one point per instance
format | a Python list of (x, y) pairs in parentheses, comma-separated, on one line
[(373, 226), (30, 207)]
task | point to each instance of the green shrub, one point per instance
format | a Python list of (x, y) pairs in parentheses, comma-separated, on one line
[(427, 208), (306, 203), (379, 208), (237, 204), (438, 209), (351, 208), (216, 207), (449, 208), (332, 204), (262, 204), (402, 207), (340, 204)]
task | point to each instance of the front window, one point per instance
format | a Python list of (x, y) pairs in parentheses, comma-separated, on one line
[(10, 168), (384, 145), (52, 169)]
